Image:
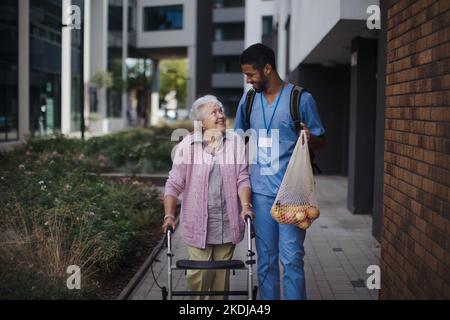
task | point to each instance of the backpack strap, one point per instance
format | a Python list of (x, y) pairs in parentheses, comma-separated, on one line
[(297, 118), (294, 107), (249, 105)]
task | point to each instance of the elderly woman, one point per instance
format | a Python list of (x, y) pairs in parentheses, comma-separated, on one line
[(210, 170)]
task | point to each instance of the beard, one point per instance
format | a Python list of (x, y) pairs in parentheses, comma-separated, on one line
[(261, 85)]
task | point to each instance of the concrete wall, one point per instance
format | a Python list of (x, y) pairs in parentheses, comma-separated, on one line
[(99, 47), (356, 9), (228, 48), (254, 11), (226, 80), (283, 9), (310, 22), (228, 15)]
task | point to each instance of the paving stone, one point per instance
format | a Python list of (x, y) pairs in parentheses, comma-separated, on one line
[(328, 272), (346, 297)]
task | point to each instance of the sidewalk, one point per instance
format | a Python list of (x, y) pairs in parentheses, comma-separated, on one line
[(339, 247)]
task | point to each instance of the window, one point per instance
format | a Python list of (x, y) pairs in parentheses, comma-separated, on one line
[(45, 67), (267, 27), (9, 70), (229, 31), (45, 21), (227, 65), (218, 34), (115, 16), (163, 18)]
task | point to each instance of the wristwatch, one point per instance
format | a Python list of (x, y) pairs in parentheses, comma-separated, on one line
[(247, 205)]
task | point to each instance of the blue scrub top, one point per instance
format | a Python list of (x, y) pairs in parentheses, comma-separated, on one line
[(268, 164)]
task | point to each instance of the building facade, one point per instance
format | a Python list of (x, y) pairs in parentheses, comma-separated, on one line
[(380, 75), (32, 67), (45, 66), (228, 18)]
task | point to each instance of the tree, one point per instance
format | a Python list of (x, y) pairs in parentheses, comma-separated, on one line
[(102, 79), (173, 76)]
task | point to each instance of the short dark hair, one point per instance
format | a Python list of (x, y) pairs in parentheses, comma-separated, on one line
[(258, 55)]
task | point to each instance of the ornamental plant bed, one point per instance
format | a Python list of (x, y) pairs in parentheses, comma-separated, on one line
[(54, 214)]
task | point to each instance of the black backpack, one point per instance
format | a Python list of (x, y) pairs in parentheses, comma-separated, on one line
[(296, 116)]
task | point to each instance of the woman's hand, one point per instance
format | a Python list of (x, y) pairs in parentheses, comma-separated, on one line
[(247, 211), (245, 195), (169, 222)]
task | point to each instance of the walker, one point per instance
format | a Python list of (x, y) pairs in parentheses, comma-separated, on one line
[(251, 292)]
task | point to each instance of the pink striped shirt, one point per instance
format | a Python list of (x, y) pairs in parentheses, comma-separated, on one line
[(192, 181)]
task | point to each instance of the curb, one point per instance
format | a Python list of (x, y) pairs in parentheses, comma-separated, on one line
[(126, 292), (133, 283)]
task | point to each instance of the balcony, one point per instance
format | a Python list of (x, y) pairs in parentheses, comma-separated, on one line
[(228, 48), (224, 15), (227, 80)]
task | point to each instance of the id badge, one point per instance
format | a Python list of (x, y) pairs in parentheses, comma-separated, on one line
[(265, 142), (264, 159)]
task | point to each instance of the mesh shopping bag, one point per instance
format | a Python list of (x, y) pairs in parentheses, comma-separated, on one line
[(296, 201)]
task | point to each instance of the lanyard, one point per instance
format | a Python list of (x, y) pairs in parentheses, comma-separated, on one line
[(274, 111)]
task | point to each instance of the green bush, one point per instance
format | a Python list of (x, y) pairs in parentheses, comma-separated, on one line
[(130, 152), (53, 214), (135, 151)]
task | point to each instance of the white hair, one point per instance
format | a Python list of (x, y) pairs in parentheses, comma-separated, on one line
[(196, 112)]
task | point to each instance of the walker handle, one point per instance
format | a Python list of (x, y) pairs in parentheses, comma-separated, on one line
[(169, 239), (248, 220)]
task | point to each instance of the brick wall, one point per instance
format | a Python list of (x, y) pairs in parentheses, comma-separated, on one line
[(415, 238)]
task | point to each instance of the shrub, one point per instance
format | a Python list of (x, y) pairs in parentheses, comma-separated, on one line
[(54, 214)]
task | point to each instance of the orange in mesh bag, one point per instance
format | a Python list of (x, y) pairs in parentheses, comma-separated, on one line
[(296, 201)]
